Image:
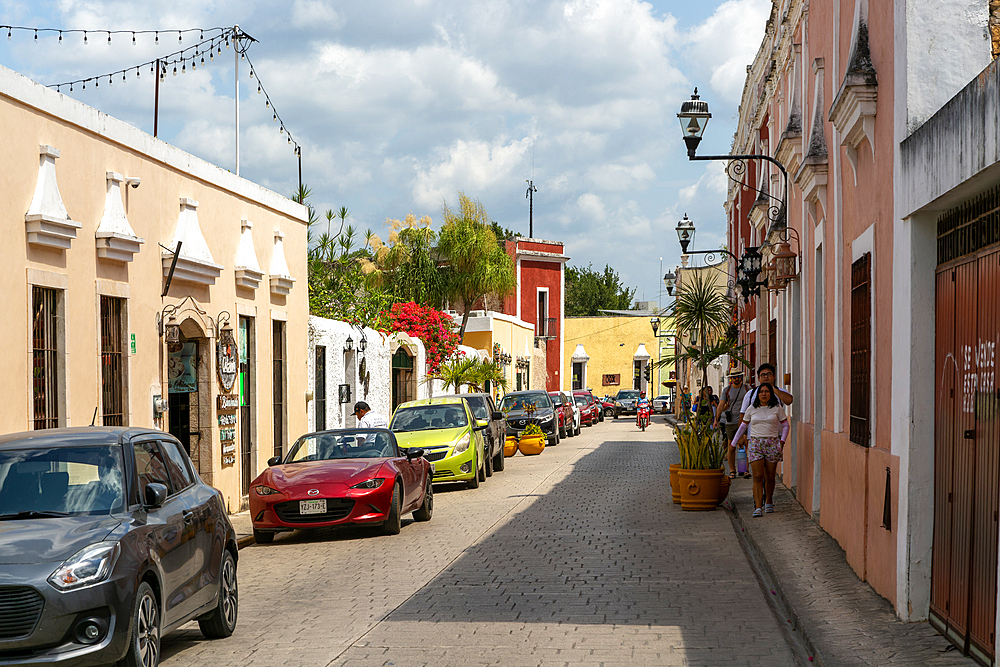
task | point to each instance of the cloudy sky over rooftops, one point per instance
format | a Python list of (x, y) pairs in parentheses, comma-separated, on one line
[(400, 104)]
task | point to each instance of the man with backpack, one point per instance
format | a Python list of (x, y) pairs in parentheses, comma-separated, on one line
[(728, 414)]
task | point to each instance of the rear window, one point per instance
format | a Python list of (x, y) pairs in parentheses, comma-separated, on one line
[(627, 394), (478, 405)]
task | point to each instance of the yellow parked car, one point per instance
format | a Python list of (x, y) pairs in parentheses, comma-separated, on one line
[(446, 429)]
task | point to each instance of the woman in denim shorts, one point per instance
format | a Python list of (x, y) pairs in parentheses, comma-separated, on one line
[(768, 426)]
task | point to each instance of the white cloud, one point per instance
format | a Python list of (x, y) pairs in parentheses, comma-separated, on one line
[(721, 47), (470, 167)]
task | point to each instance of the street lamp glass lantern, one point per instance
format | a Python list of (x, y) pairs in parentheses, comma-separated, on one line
[(668, 280), (685, 233), (784, 263), (655, 323), (693, 118)]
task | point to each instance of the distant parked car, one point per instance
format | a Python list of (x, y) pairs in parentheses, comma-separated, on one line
[(485, 411), (566, 414), (531, 407), (109, 541), (589, 411), (345, 476), (608, 406), (661, 403)]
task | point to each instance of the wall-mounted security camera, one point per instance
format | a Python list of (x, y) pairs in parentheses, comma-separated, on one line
[(134, 181)]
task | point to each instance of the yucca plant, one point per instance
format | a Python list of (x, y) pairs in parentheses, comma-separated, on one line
[(701, 447)]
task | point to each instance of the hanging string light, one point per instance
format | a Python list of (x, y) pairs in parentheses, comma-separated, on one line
[(282, 130), (216, 31)]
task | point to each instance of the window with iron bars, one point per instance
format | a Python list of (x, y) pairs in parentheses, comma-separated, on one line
[(861, 351), (112, 361), (45, 379), (278, 382)]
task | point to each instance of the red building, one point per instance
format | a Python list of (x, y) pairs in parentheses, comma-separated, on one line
[(539, 298)]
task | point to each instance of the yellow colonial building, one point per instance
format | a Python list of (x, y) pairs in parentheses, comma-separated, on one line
[(608, 353), (143, 286)]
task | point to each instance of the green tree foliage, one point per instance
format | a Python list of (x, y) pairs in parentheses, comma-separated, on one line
[(589, 291), (476, 264), (702, 307), (502, 233), (337, 286), (404, 265), (471, 371)]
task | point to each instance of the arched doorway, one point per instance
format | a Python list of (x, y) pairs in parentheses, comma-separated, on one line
[(404, 382)]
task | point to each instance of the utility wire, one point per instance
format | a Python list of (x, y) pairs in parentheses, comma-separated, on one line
[(180, 33), (268, 103)]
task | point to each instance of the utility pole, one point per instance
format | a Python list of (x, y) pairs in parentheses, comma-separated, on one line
[(530, 196), (236, 52), (156, 99)]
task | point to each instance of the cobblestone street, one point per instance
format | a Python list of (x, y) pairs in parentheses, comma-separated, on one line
[(574, 557)]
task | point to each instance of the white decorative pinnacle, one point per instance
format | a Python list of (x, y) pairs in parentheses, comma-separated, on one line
[(116, 241), (195, 263), (248, 273), (281, 279), (641, 353), (47, 221), (580, 354)]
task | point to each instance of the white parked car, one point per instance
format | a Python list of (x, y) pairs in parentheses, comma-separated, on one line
[(661, 404)]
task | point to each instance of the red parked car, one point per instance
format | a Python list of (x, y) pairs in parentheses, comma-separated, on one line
[(590, 412), (331, 478), (564, 409)]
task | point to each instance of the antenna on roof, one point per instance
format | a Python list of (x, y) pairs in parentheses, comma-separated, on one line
[(94, 420)]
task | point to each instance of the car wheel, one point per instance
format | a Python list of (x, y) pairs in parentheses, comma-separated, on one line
[(427, 507), (488, 462), (481, 470), (498, 461), (144, 644), (474, 482), (262, 537), (393, 524), (600, 415), (616, 414), (221, 622), (562, 431), (577, 429)]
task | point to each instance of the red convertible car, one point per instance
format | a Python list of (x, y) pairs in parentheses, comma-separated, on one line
[(332, 478)]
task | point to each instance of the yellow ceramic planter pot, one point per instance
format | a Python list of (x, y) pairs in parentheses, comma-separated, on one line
[(510, 446), (531, 445), (700, 488)]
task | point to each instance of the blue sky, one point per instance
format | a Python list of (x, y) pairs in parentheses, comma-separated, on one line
[(400, 104)]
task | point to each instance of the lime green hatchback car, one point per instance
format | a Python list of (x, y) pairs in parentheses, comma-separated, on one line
[(446, 429)]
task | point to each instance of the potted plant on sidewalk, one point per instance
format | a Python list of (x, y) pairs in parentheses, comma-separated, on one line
[(532, 440), (699, 477)]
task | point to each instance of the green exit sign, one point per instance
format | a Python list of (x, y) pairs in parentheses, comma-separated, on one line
[(132, 343)]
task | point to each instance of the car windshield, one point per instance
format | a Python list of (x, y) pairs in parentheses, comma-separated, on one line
[(582, 400), (428, 418), (557, 400), (61, 481), (524, 401), (627, 395), (329, 446), (478, 405)]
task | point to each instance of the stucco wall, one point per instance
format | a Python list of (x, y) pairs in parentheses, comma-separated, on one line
[(90, 144), (611, 343)]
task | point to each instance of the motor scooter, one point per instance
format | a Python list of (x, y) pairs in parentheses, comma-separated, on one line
[(642, 418)]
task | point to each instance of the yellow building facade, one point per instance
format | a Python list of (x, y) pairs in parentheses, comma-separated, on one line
[(608, 353), (102, 219)]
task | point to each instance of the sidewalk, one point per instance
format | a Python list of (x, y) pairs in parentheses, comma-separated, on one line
[(840, 618), (244, 529)]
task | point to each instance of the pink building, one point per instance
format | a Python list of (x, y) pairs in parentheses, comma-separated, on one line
[(539, 298), (886, 122)]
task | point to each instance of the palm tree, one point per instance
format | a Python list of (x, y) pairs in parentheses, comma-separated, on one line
[(701, 307), (476, 263), (489, 372), (456, 372)]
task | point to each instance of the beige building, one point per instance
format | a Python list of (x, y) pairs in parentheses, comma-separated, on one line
[(95, 210), (510, 341), (605, 354)]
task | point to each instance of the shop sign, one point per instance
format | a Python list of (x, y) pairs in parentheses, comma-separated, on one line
[(227, 434), (224, 402), (227, 359), (611, 379)]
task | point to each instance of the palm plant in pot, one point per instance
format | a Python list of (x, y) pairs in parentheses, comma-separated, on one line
[(699, 475)]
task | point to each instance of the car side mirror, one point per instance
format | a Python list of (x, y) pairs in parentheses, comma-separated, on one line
[(481, 426), (274, 460), (154, 495), (498, 415), (414, 453)]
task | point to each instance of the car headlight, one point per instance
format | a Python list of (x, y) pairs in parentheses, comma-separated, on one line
[(265, 490), (373, 483), (462, 443), (546, 420), (89, 565)]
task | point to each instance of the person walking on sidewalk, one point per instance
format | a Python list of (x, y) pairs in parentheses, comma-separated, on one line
[(768, 430), (727, 416)]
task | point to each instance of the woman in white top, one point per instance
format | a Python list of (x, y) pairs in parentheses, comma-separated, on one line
[(768, 427)]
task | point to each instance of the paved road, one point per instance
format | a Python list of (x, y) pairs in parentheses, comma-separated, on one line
[(574, 557)]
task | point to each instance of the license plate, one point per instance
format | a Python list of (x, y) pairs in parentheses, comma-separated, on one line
[(312, 506)]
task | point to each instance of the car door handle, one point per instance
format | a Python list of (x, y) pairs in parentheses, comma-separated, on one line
[(188, 516)]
